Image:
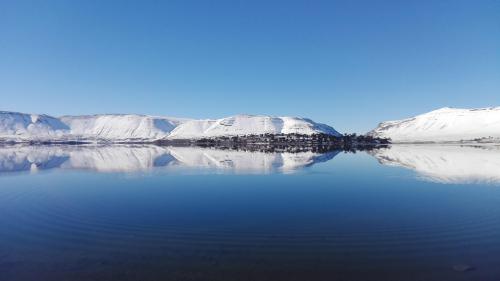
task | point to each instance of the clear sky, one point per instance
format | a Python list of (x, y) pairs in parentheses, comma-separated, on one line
[(348, 63)]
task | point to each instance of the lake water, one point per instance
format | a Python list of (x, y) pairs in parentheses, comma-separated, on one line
[(158, 213)]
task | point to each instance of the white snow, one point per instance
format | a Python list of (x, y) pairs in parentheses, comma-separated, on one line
[(444, 125), (446, 163), (120, 127), (19, 127), (247, 125)]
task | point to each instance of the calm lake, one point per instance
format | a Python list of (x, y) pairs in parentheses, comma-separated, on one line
[(422, 212)]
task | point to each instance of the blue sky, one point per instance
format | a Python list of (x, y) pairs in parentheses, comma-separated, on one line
[(349, 64)]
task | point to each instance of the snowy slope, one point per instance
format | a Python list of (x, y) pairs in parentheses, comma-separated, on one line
[(20, 126), (247, 125), (443, 125), (445, 163), (120, 127), (135, 128)]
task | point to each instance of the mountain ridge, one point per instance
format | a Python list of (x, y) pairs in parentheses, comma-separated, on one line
[(444, 125), (24, 127)]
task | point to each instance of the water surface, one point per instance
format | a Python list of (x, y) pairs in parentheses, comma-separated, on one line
[(163, 213)]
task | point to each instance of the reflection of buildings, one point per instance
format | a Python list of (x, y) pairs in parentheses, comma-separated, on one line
[(445, 163), (130, 158)]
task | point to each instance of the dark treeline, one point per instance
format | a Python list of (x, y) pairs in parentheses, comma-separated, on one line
[(264, 142), (285, 142)]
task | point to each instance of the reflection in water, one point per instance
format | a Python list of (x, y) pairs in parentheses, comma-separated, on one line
[(342, 220), (437, 163), (445, 164), (136, 158)]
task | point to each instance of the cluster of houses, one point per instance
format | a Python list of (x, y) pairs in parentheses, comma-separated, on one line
[(287, 142)]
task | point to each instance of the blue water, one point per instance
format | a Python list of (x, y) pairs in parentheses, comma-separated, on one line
[(343, 217)]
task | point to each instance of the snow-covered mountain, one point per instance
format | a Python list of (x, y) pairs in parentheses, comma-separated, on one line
[(249, 124), (121, 127), (110, 127), (20, 127), (444, 125)]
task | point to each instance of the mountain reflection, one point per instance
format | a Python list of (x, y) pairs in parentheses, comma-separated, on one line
[(445, 163), (140, 158)]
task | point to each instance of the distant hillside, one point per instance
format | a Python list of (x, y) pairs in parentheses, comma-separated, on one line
[(20, 127), (444, 125)]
